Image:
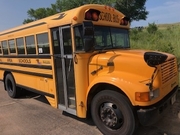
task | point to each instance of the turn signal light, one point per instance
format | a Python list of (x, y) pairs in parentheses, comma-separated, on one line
[(92, 14), (142, 96)]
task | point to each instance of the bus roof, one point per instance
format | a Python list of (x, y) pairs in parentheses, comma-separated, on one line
[(63, 18)]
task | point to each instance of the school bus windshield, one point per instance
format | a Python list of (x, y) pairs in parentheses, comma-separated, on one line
[(105, 38)]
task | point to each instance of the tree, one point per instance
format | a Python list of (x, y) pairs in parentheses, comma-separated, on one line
[(152, 28), (63, 5), (69, 4), (134, 9), (38, 14), (60, 6)]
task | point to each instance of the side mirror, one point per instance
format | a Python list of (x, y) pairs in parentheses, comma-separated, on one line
[(88, 44), (88, 33), (88, 28), (153, 58)]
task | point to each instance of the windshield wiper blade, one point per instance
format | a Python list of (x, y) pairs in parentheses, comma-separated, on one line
[(107, 47)]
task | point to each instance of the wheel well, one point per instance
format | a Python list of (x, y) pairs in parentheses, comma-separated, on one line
[(5, 73), (96, 89)]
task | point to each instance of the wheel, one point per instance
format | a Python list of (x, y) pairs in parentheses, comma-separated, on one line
[(10, 86), (112, 113)]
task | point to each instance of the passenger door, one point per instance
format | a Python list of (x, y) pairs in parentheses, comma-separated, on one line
[(64, 69)]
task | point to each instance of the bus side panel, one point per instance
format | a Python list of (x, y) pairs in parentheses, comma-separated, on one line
[(1, 75), (37, 84)]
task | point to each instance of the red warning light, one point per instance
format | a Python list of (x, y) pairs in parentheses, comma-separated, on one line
[(88, 16), (124, 21), (92, 14), (95, 16)]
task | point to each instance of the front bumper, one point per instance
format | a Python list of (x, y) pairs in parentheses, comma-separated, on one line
[(149, 115)]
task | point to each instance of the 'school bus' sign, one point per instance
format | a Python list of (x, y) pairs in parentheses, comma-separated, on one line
[(105, 16)]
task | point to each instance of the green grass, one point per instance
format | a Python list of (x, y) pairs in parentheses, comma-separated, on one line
[(166, 39), (164, 26)]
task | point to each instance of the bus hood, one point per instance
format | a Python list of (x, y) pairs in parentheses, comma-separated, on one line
[(129, 61)]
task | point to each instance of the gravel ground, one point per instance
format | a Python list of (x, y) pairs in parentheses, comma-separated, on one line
[(31, 115)]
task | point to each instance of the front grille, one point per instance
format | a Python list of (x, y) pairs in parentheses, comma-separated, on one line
[(168, 70)]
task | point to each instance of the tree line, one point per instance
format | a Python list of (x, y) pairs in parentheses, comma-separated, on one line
[(134, 9)]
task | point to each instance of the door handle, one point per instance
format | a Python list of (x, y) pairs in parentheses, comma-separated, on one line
[(75, 59)]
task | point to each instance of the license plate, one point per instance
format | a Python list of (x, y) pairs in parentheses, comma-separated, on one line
[(173, 99)]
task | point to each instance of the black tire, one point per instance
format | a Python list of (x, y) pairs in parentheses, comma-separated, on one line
[(11, 86), (112, 113)]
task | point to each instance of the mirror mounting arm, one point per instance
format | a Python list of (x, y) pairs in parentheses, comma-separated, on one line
[(152, 79), (88, 34)]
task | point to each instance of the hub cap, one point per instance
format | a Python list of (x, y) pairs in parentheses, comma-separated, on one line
[(111, 116)]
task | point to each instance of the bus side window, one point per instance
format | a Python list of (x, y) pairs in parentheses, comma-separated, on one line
[(56, 44), (4, 47), (78, 38), (0, 48), (43, 43), (67, 42), (11, 44), (30, 45), (20, 45)]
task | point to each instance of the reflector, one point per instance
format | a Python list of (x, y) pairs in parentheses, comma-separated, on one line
[(75, 18)]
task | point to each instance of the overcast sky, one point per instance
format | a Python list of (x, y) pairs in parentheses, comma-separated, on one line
[(13, 12)]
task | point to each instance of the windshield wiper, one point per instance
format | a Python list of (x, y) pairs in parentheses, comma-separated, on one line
[(107, 47)]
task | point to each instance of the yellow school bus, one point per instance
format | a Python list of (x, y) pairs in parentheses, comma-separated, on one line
[(81, 61)]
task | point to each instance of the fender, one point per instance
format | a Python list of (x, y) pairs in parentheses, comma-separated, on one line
[(124, 81)]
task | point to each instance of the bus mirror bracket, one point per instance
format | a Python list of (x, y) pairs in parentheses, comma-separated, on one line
[(153, 59), (88, 28), (88, 44)]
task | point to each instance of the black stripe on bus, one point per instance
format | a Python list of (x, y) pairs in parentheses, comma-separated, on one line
[(24, 28), (26, 56), (29, 73), (27, 65), (36, 91)]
